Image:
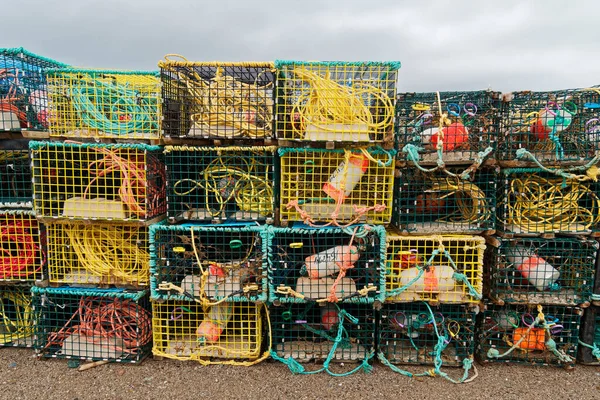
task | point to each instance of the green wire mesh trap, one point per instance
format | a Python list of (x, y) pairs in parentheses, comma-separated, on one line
[(23, 90), (208, 263), (21, 246), (15, 175), (439, 203), (92, 324), (540, 271), (413, 333), (516, 334), (551, 127), (324, 334), (120, 182), (471, 126), (208, 183), (589, 344), (326, 264), (17, 319), (532, 201)]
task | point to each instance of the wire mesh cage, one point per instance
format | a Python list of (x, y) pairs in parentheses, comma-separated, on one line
[(120, 182), (336, 186), (104, 255), (17, 319), (455, 200), (227, 333), (551, 127), (23, 90), (208, 183), (326, 264), (434, 269), (87, 103), (410, 334), (469, 127), (208, 264), (324, 334), (589, 342), (336, 101), (533, 201), (528, 334), (217, 99), (15, 175), (21, 248), (540, 271), (92, 324)]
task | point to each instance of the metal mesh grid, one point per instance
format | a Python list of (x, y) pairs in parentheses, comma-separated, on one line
[(208, 263), (93, 324), (122, 182), (217, 100), (437, 203), (436, 269), (336, 101), (98, 103), (15, 176), (308, 332), (207, 183), (327, 264), (471, 125), (336, 186), (23, 94), (98, 254), (407, 333), (20, 246), (17, 319), (589, 343), (552, 127), (517, 327), (531, 201), (228, 331), (540, 271)]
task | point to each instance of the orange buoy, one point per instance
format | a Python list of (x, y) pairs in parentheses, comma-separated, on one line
[(455, 135)]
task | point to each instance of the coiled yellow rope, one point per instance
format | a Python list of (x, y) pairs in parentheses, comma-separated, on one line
[(469, 199), (22, 323)]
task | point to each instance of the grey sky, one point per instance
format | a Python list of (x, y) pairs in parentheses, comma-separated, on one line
[(443, 45)]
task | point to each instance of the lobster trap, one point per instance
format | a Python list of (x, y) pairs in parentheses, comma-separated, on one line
[(541, 271), (17, 319), (326, 264), (227, 333), (208, 183), (336, 101), (324, 334), (119, 182), (534, 202), (15, 176), (87, 103), (449, 201), (23, 90), (92, 324), (466, 125), (589, 342), (434, 269), (103, 255), (410, 334), (551, 127), (217, 100), (336, 186), (529, 334), (21, 248), (208, 264)]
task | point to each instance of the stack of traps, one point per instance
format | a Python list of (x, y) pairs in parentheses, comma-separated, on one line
[(93, 324)]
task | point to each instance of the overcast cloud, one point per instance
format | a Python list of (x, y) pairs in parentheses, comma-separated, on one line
[(443, 45)]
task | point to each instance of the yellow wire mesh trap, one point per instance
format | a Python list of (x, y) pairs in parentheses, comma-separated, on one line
[(98, 255), (336, 101), (435, 269), (20, 246), (336, 186), (121, 182), (227, 333), (97, 103), (16, 317)]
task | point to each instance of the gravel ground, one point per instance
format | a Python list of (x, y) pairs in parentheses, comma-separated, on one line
[(24, 377)]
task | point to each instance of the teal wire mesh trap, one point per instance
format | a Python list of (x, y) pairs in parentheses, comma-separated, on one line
[(589, 342)]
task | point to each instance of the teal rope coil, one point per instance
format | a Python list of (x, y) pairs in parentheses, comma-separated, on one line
[(16, 51), (109, 293)]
